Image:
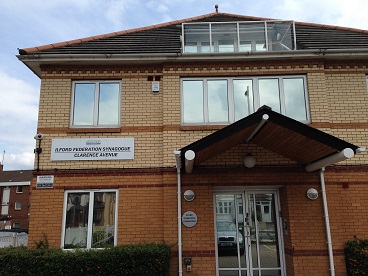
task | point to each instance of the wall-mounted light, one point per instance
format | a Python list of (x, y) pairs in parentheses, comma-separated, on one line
[(249, 161), (189, 195), (312, 194)]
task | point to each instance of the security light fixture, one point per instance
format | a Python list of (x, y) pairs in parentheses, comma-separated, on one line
[(189, 195), (312, 194), (249, 161)]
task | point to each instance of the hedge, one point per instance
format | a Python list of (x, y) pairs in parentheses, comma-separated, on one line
[(148, 259), (356, 257)]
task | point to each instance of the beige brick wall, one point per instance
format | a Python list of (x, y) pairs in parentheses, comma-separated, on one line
[(338, 101)]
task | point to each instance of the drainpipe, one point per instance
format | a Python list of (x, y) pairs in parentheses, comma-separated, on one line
[(178, 167), (327, 222)]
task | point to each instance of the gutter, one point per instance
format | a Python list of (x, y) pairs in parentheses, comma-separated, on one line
[(34, 60)]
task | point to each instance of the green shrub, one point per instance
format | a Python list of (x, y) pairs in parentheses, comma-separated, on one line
[(356, 257), (148, 259)]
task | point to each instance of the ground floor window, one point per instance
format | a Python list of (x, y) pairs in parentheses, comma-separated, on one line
[(90, 219)]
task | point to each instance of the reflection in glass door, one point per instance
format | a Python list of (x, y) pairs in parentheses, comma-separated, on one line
[(248, 240)]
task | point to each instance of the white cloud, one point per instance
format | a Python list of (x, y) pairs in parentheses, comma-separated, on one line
[(330, 12), (18, 113), (21, 161)]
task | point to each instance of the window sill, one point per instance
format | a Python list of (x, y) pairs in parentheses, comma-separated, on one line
[(94, 130), (203, 127)]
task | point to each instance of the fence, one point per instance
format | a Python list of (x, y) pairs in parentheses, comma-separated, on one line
[(14, 239)]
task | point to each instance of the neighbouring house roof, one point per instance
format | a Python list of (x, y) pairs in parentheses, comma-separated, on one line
[(280, 134), (165, 38), (19, 177)]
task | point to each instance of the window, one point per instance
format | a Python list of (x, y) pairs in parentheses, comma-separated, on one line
[(18, 205), (96, 104), (16, 225), (224, 207), (243, 36), (90, 219), (19, 189), (227, 100)]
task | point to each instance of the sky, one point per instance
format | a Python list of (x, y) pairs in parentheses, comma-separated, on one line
[(29, 23)]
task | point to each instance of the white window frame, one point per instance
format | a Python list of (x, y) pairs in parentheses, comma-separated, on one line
[(18, 205), (90, 215), (95, 110), (230, 96)]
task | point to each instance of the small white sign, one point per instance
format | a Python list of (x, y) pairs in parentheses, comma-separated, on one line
[(155, 86), (189, 219), (92, 149), (45, 182)]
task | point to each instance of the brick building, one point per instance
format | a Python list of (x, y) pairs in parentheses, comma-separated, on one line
[(206, 134), (14, 195)]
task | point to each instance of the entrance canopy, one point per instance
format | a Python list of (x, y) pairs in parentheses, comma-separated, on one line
[(275, 132)]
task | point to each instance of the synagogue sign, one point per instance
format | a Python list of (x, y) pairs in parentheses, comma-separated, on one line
[(92, 149)]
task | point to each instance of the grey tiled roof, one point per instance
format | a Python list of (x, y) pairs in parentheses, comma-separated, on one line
[(16, 176), (165, 38)]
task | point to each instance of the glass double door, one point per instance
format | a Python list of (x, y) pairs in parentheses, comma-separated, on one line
[(247, 229)]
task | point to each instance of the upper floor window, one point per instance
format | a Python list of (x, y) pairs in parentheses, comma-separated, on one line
[(226, 100), (96, 104), (90, 219), (205, 37), (19, 189), (18, 205)]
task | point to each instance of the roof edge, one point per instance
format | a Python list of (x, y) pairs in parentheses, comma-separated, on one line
[(25, 51)]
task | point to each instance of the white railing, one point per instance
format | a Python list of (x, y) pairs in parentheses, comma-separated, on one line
[(14, 240)]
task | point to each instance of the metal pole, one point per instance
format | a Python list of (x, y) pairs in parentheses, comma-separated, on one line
[(327, 222), (178, 167)]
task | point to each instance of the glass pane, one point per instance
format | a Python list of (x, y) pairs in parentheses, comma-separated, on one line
[(245, 46), (253, 231), (84, 99), (229, 238), (226, 36), (76, 226), (260, 46), (295, 106), (205, 47), (266, 233), (226, 46), (252, 34), (217, 101), (103, 231), (193, 102), (191, 47), (109, 104), (194, 35), (243, 98), (280, 36), (269, 94)]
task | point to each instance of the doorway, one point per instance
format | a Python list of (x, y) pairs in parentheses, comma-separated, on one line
[(248, 234)]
